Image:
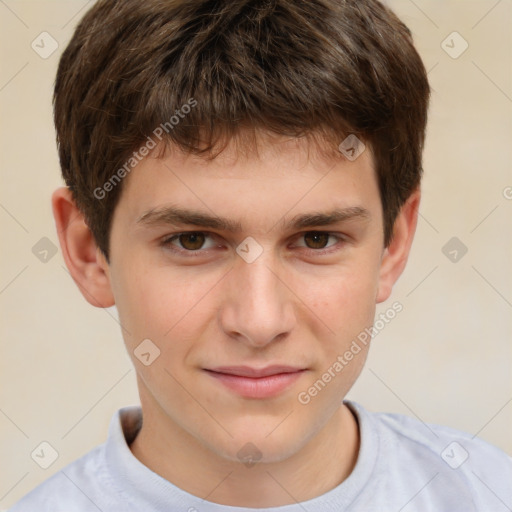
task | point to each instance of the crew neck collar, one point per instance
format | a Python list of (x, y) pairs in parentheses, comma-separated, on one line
[(141, 485)]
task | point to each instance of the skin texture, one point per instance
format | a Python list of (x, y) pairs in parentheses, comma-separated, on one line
[(290, 306)]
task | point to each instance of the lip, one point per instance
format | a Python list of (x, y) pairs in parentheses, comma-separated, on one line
[(248, 371), (256, 382)]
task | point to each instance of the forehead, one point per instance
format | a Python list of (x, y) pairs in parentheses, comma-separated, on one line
[(277, 177)]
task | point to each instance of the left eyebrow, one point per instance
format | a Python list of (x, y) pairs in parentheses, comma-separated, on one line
[(180, 216), (309, 220)]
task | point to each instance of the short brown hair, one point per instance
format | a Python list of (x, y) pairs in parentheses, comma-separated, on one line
[(289, 67)]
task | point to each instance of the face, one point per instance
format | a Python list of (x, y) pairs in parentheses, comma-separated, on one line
[(247, 314)]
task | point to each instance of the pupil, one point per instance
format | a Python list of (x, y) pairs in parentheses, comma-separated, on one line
[(196, 238), (319, 238)]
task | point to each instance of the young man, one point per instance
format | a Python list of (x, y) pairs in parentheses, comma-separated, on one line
[(243, 182)]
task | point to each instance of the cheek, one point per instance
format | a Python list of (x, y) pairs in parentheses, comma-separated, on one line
[(164, 305), (344, 299)]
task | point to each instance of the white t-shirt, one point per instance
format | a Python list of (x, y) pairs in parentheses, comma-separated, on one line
[(403, 465)]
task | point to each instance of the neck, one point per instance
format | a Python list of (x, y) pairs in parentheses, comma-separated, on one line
[(322, 464)]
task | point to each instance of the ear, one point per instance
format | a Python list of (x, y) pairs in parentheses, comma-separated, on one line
[(85, 261), (395, 255)]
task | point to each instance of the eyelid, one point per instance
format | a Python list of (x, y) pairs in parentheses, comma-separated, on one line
[(339, 236), (166, 242)]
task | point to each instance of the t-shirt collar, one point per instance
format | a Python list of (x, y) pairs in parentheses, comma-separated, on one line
[(143, 487)]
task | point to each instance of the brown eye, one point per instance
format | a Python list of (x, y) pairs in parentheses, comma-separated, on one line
[(316, 239), (191, 241)]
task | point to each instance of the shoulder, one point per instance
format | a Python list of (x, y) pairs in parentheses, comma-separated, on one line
[(74, 487), (454, 447), (447, 461), (92, 481)]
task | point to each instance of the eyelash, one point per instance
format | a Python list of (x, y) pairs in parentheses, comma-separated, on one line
[(167, 243)]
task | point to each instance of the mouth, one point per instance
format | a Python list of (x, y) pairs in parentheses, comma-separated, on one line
[(260, 383)]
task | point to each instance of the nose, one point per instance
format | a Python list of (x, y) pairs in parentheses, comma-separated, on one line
[(258, 307)]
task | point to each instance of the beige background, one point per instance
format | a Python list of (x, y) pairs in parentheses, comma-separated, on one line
[(446, 358)]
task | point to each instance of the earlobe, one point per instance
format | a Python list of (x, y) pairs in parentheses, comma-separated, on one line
[(396, 254), (85, 262)]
